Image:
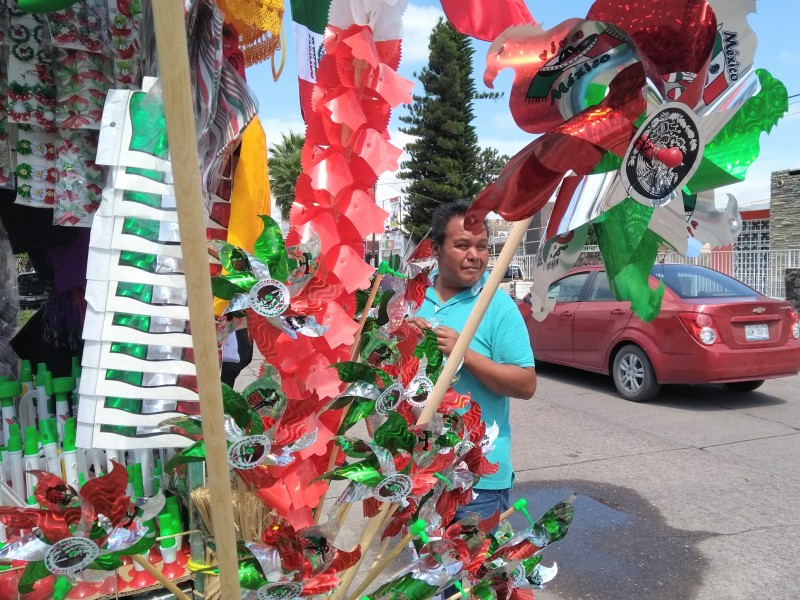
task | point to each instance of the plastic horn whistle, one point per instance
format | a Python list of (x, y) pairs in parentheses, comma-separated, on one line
[(70, 454), (47, 428), (62, 388), (26, 407), (384, 268), (8, 391), (521, 505), (15, 460), (169, 548), (174, 508), (44, 391), (417, 529), (30, 459)]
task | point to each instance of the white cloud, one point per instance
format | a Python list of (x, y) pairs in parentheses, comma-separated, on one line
[(418, 22)]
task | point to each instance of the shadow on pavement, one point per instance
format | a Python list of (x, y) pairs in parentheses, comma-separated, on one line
[(618, 547), (702, 397)]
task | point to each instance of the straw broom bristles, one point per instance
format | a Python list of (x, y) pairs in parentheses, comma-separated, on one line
[(250, 515)]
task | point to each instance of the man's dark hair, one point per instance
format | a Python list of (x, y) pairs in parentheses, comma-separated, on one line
[(442, 215)]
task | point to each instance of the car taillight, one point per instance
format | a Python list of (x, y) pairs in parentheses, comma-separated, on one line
[(795, 325), (701, 327)]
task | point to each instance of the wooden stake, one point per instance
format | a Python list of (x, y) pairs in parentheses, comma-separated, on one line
[(475, 317), (173, 62), (160, 577)]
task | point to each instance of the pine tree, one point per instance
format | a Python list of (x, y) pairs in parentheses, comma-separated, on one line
[(444, 157), (284, 169)]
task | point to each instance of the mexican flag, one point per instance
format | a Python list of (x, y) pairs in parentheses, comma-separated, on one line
[(309, 18)]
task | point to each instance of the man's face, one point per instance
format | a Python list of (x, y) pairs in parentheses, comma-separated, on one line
[(462, 256)]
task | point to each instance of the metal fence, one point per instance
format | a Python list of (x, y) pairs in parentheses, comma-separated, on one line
[(763, 270)]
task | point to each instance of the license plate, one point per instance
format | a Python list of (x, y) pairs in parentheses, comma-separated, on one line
[(755, 333)]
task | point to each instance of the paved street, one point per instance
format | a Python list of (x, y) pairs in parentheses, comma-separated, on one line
[(695, 495)]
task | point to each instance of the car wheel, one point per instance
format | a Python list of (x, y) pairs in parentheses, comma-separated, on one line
[(744, 386), (633, 375)]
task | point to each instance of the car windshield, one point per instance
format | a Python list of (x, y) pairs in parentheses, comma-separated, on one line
[(693, 282)]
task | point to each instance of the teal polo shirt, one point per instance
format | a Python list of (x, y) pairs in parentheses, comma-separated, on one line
[(503, 337)]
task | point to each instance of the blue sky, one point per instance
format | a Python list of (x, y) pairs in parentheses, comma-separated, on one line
[(778, 51)]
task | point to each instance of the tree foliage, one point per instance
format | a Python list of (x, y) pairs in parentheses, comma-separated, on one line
[(284, 169), (445, 161)]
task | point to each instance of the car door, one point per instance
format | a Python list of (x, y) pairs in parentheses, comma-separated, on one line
[(552, 338), (598, 322)]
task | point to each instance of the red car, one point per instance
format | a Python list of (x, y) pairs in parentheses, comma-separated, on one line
[(711, 329)]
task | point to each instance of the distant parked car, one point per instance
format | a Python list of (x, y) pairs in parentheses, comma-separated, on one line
[(32, 291), (513, 272), (711, 329)]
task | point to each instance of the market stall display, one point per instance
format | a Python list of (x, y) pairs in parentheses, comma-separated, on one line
[(137, 468)]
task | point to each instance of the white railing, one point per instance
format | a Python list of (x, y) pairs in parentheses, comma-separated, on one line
[(763, 270)]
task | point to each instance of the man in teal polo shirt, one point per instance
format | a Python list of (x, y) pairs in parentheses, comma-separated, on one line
[(499, 362)]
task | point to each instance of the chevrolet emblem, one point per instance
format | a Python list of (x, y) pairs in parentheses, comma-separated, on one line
[(759, 309)]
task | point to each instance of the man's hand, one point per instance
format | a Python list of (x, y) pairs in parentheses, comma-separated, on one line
[(446, 338), (419, 324)]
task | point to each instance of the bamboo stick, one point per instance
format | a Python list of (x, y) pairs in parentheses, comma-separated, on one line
[(173, 62)]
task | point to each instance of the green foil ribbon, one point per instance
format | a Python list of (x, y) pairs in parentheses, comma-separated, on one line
[(629, 250), (394, 435), (405, 587), (271, 249), (138, 322), (149, 125), (429, 348), (144, 198), (351, 372), (359, 409), (363, 472), (193, 454), (44, 6), (727, 157)]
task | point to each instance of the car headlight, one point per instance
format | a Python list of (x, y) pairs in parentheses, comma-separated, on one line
[(796, 330)]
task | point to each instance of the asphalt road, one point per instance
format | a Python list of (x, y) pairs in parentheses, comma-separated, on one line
[(693, 496)]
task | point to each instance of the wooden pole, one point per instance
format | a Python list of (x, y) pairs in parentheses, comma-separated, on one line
[(173, 63), (475, 317)]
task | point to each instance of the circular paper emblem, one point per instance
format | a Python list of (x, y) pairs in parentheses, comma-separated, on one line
[(389, 399), (418, 391), (394, 488), (662, 156), (280, 591), (269, 298), (249, 452), (71, 555)]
